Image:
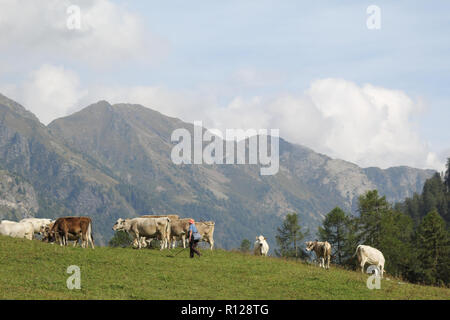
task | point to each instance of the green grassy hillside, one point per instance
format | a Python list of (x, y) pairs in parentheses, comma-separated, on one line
[(35, 270)]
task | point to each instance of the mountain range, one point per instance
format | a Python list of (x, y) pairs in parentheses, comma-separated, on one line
[(109, 161)]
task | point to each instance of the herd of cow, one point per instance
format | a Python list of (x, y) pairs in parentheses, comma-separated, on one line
[(168, 229)]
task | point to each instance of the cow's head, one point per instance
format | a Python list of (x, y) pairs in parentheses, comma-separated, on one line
[(260, 239), (119, 225), (48, 235), (310, 245)]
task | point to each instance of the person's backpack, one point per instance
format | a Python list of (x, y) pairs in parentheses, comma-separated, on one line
[(196, 236)]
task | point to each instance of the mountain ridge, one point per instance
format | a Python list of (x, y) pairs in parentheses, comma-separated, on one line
[(130, 145)]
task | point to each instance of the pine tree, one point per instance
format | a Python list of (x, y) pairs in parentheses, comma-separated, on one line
[(245, 245), (289, 237), (371, 208), (435, 195), (447, 176), (387, 230), (120, 239), (395, 241), (433, 249), (335, 230)]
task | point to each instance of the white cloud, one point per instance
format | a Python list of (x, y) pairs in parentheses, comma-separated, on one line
[(109, 33), (49, 92)]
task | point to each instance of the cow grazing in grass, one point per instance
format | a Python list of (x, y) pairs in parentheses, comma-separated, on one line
[(17, 229), (47, 236), (372, 256), (67, 228), (261, 246), (146, 228), (322, 251)]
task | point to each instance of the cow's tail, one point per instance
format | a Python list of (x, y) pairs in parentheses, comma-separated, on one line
[(90, 236), (167, 240), (357, 248)]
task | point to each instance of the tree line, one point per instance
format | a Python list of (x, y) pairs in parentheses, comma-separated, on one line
[(413, 235)]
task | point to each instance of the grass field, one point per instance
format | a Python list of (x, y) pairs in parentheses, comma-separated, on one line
[(35, 270)]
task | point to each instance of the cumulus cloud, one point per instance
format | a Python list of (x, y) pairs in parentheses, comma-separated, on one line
[(367, 125), (49, 92), (108, 32)]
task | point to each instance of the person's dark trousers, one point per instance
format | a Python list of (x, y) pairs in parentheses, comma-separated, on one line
[(192, 246)]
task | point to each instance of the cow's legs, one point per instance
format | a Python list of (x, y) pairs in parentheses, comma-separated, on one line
[(58, 238), (92, 241), (211, 243), (174, 242), (66, 238), (166, 242), (163, 243), (83, 238), (183, 238), (363, 262), (138, 240)]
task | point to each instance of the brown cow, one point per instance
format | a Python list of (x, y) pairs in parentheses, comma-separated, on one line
[(67, 228), (322, 250), (47, 236)]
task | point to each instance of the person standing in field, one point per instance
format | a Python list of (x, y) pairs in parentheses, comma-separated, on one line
[(194, 238)]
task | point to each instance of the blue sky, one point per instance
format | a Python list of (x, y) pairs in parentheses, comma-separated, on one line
[(219, 55)]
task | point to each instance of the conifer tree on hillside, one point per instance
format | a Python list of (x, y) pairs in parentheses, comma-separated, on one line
[(396, 241), (432, 242), (245, 245), (289, 237), (120, 239), (387, 230), (435, 195), (336, 230), (447, 176), (371, 208)]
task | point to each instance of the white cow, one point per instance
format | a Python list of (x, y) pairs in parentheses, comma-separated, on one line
[(178, 230), (146, 228), (17, 229), (7, 221), (367, 254), (38, 224), (261, 246), (206, 230)]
